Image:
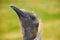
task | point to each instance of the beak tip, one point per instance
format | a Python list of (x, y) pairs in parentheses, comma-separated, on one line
[(12, 5)]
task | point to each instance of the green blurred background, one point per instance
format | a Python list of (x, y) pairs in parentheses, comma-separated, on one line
[(46, 10)]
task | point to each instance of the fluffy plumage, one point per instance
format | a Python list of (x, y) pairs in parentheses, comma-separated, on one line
[(29, 23)]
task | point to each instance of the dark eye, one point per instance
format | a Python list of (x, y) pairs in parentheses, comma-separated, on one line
[(33, 18)]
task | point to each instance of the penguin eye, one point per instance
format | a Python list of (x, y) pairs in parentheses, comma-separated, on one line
[(33, 18)]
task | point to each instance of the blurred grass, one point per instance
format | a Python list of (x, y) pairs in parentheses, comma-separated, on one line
[(46, 10)]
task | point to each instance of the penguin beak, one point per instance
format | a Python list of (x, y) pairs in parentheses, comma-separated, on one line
[(18, 11)]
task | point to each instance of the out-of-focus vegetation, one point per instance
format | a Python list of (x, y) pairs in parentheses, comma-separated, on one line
[(47, 10)]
